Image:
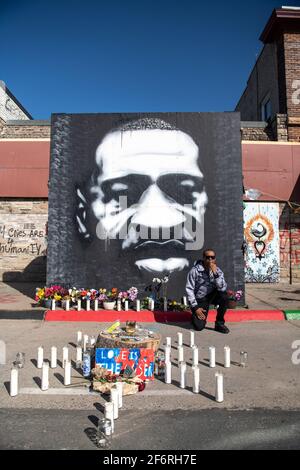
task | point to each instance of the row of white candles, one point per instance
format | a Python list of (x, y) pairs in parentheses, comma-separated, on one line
[(44, 365), (119, 305)]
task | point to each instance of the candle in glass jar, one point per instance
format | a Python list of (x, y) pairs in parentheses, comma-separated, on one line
[(126, 305), (88, 305), (114, 398), (109, 411), (195, 356), (14, 376), (168, 341), (40, 358), (78, 305), (79, 354), (226, 356), (65, 355), (182, 374), (96, 304), (168, 372), (67, 377), (219, 387), (119, 307), (85, 342), (212, 356), (138, 305), (192, 338), (196, 383), (53, 357), (67, 305), (184, 301), (45, 376), (53, 304)]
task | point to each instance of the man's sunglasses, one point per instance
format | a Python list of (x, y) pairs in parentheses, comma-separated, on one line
[(210, 257)]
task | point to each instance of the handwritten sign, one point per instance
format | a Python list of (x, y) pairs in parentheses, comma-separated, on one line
[(141, 360)]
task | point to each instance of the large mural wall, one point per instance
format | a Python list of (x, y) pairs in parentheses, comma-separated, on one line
[(138, 196), (262, 253)]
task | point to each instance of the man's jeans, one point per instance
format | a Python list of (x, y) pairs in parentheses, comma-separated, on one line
[(215, 297)]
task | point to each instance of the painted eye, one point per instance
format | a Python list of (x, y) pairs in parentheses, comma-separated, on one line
[(119, 187)]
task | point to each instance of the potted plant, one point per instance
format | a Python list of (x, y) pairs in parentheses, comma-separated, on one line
[(234, 297), (110, 300)]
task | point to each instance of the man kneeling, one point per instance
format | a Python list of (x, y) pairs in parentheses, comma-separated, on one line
[(206, 285)]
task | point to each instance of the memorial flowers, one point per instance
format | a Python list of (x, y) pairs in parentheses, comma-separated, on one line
[(235, 295)]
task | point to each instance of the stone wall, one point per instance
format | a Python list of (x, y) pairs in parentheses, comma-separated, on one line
[(23, 240), (18, 131)]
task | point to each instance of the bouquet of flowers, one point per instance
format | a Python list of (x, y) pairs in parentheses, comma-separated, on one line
[(235, 295)]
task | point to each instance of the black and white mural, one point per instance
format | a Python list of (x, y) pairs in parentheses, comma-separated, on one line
[(137, 196)]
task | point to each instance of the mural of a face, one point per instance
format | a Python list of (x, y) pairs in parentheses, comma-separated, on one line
[(149, 194)]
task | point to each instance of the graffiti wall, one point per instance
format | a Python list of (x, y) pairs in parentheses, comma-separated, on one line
[(261, 237), (137, 196)]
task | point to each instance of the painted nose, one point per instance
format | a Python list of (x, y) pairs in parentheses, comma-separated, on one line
[(155, 209)]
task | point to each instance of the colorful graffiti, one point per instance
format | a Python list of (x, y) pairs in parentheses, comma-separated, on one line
[(261, 234)]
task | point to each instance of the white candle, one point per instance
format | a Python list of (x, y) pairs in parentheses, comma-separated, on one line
[(180, 353), (152, 305), (219, 387), (14, 374), (119, 387), (88, 305), (53, 357), (68, 305), (85, 342), (212, 356), (195, 356), (53, 304), (126, 305), (196, 384), (168, 372), (78, 305), (179, 336), (40, 358), (119, 305), (67, 378), (79, 337), (138, 305), (226, 356), (192, 338), (182, 374), (167, 354), (168, 341), (184, 301), (79, 354), (45, 376), (109, 411), (114, 398), (92, 340), (96, 303), (65, 355), (165, 305)]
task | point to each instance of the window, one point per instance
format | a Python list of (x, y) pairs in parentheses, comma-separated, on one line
[(266, 109)]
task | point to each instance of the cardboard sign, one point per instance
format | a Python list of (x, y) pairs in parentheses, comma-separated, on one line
[(116, 360)]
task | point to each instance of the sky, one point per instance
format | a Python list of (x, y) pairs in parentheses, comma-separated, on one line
[(77, 56)]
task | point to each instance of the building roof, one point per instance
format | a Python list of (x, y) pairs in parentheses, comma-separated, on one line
[(284, 18)]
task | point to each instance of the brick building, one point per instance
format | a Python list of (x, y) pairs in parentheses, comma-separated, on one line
[(270, 134)]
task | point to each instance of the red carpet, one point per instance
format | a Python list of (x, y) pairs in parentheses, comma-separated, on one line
[(147, 316)]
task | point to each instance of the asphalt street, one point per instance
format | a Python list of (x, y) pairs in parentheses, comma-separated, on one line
[(152, 430)]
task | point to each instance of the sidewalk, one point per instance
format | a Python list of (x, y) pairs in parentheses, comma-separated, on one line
[(20, 297)]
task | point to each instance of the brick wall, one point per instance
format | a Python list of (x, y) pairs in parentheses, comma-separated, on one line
[(23, 240), (289, 232), (25, 132), (292, 71), (257, 133)]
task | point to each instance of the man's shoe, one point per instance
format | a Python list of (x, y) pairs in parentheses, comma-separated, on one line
[(221, 328)]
